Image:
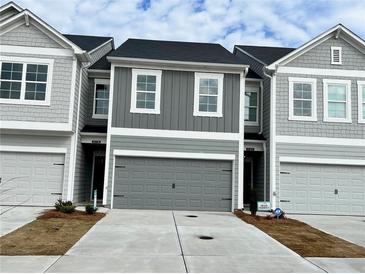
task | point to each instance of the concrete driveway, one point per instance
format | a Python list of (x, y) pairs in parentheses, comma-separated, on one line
[(166, 241), (12, 218)]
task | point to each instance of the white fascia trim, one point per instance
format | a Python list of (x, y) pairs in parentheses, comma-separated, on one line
[(100, 46), (219, 77), (11, 4), (108, 138), (273, 140), (26, 61), (36, 50), (61, 150), (322, 72), (116, 59), (24, 125), (100, 82), (313, 83), (135, 73), (173, 155), (348, 118), (360, 109), (320, 141), (174, 134), (241, 145), (324, 161)]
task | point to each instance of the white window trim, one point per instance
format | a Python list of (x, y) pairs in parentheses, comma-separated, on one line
[(348, 118), (360, 86), (156, 73), (340, 55), (258, 91), (25, 61), (313, 83), (219, 77), (100, 82)]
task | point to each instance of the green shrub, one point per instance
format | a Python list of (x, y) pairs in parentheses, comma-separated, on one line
[(90, 209), (64, 206)]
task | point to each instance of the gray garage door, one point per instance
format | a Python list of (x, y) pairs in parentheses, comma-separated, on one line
[(154, 183), (30, 178), (322, 189)]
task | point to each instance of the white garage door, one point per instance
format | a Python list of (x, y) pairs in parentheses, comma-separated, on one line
[(322, 189), (30, 178)]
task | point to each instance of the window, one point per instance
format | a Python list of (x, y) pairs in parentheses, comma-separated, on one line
[(101, 99), (361, 98), (302, 99), (337, 100), (25, 80), (208, 94), (336, 55), (251, 105), (146, 90)]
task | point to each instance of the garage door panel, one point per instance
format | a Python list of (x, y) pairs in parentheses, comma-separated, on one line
[(318, 184), (199, 184)]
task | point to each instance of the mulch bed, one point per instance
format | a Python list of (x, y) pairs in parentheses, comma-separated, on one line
[(52, 233), (302, 238)]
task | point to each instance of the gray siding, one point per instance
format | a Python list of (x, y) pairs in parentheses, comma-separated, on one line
[(177, 101), (96, 55), (318, 128), (42, 141), (172, 145), (315, 151), (29, 37), (320, 56)]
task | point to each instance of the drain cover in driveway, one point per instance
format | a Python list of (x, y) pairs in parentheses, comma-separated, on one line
[(205, 238)]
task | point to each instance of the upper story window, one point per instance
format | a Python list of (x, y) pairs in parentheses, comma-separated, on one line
[(302, 99), (208, 94), (146, 91), (361, 97), (251, 105), (25, 80), (101, 99), (337, 100), (336, 55)]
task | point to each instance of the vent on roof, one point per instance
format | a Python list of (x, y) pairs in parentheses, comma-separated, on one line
[(336, 55)]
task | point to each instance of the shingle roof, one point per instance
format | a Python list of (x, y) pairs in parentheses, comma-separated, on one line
[(175, 51), (102, 63), (87, 42), (267, 55)]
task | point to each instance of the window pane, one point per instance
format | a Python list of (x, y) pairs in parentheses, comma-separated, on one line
[(208, 86), (145, 100), (146, 82), (102, 91), (10, 90), (36, 73), (363, 110), (101, 106), (11, 71), (337, 92), (35, 91), (208, 103), (363, 93), (251, 99), (302, 91), (336, 110), (252, 114), (302, 108)]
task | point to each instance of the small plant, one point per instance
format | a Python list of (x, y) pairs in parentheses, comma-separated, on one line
[(64, 206), (253, 202), (90, 209)]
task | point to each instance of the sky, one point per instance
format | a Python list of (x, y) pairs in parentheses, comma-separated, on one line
[(288, 23)]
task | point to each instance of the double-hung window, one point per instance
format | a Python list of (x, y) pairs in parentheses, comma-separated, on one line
[(101, 99), (208, 94), (25, 80), (251, 105), (302, 99), (146, 91), (337, 100), (361, 98)]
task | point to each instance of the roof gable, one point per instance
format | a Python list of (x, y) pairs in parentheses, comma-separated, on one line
[(263, 54), (88, 42)]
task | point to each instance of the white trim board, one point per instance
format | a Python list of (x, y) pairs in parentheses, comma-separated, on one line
[(360, 110), (322, 72), (320, 141), (61, 150), (174, 155), (24, 125), (37, 50), (174, 134), (324, 161)]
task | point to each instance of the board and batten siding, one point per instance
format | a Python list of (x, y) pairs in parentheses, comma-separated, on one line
[(172, 145), (177, 103), (315, 151)]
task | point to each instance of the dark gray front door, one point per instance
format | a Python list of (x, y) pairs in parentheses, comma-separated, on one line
[(181, 184)]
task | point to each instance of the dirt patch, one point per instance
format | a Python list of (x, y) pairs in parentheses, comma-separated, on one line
[(53, 233), (304, 239)]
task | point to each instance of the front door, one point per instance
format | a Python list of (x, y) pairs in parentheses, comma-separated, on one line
[(98, 178), (248, 183)]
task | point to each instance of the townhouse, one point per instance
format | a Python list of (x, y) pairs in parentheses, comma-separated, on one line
[(180, 125)]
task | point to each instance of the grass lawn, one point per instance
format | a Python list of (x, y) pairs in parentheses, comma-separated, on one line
[(52, 233), (304, 239)]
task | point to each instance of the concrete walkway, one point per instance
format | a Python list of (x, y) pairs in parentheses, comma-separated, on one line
[(12, 218), (166, 241), (349, 228)]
